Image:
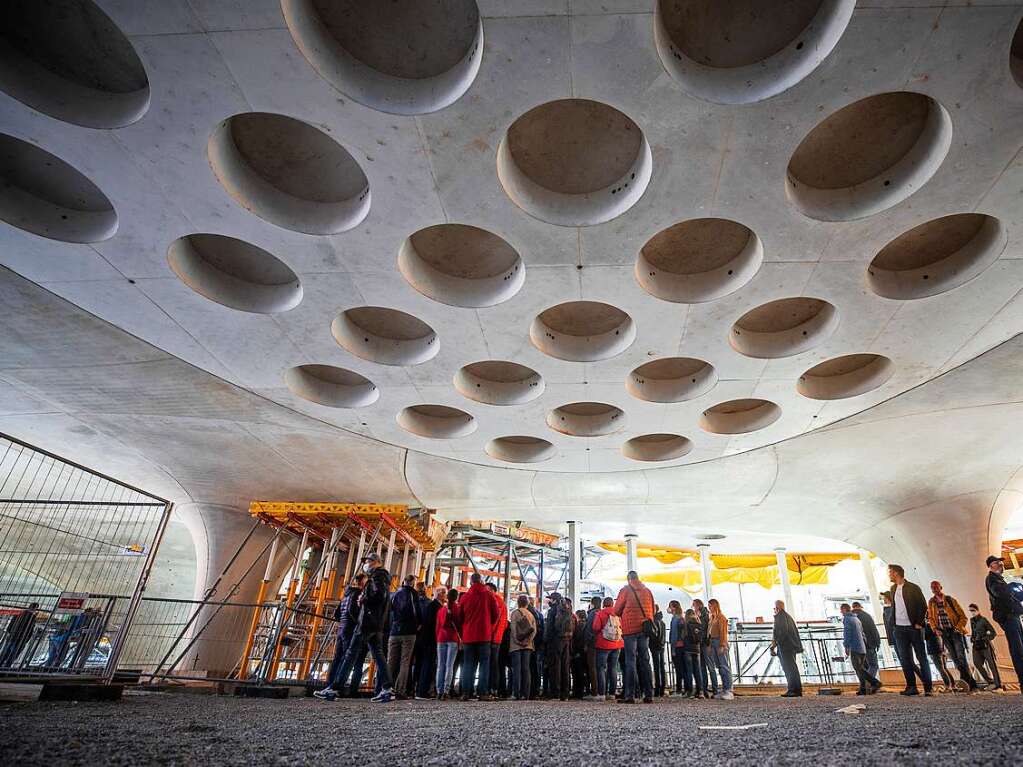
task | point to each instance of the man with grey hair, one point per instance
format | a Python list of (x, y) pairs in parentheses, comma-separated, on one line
[(786, 643)]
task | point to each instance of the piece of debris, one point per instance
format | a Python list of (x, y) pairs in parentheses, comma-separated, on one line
[(731, 726), (855, 708)]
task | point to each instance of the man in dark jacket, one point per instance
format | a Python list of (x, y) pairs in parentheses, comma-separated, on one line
[(426, 644), (910, 614), (406, 618), (374, 602), (19, 631), (347, 616), (786, 642), (1006, 609), (536, 683), (982, 636), (560, 627), (871, 636), (708, 666)]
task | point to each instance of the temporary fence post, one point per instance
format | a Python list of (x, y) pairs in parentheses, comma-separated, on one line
[(136, 597)]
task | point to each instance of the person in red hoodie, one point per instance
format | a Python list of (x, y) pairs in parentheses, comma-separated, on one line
[(447, 645), (607, 627), (497, 685), (476, 616)]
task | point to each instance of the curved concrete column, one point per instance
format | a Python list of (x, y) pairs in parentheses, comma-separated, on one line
[(217, 531)]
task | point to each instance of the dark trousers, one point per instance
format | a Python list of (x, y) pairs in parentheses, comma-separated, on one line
[(678, 660), (910, 641), (344, 638), (607, 672), (591, 667), (955, 646), (496, 669), (859, 664), (536, 668), (521, 661), (938, 659), (558, 670), (708, 668), (355, 656), (426, 669), (660, 673), (691, 668), (790, 667), (476, 657), (986, 663), (1014, 636)]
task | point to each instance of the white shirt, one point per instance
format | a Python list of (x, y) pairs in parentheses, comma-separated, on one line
[(901, 614)]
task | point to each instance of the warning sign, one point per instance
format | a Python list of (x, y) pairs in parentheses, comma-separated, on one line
[(71, 602)]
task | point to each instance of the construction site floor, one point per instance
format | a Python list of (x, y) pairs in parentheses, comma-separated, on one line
[(161, 728)]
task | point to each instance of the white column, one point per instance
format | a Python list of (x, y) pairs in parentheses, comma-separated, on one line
[(630, 551), (574, 586), (786, 584), (419, 561), (708, 591)]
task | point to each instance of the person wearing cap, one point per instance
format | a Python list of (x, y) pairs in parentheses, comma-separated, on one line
[(982, 636), (1006, 609), (948, 619), (476, 616), (369, 632), (910, 615)]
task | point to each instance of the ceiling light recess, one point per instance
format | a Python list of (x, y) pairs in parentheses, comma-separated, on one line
[(331, 386), (496, 382), (582, 331), (436, 421), (657, 447), (783, 328), (387, 336), (586, 419), (671, 379), (846, 376), (739, 416), (520, 449)]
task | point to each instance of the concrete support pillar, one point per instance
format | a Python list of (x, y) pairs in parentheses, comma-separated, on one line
[(708, 590), (574, 586), (630, 552), (216, 533), (389, 559), (786, 583)]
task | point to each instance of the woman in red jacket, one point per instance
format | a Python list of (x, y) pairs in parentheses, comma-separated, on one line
[(608, 628), (447, 645)]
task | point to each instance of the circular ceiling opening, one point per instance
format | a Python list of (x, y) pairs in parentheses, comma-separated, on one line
[(461, 265), (739, 416), (699, 260), (387, 336), (582, 331), (846, 376), (68, 60), (586, 419), (783, 328), (436, 421), (937, 256), (657, 447), (574, 162), (671, 379), (289, 173), (520, 449), (404, 57), (744, 51), (868, 156), (42, 194), (495, 382), (234, 273), (331, 386), (1016, 55)]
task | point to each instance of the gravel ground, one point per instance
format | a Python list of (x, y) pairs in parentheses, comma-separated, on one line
[(165, 728)]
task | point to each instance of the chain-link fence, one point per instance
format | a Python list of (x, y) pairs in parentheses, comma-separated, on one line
[(76, 549)]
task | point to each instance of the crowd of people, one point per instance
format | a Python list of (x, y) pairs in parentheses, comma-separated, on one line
[(472, 646)]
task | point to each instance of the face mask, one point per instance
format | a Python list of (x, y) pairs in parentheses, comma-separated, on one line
[(367, 568)]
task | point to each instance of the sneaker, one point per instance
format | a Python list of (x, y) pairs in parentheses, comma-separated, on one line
[(423, 697), (874, 689), (727, 695), (385, 696), (325, 694), (910, 691)]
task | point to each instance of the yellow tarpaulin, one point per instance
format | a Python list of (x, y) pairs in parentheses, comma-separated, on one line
[(794, 561), (666, 555), (692, 579)]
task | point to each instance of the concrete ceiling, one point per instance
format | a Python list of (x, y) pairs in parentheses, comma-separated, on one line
[(310, 250)]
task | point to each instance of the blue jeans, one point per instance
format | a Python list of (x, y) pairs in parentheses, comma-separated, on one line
[(708, 668), (607, 672), (720, 657), (691, 669), (476, 655), (344, 639), (446, 652), (357, 650), (1014, 636), (910, 641), (637, 659), (521, 660)]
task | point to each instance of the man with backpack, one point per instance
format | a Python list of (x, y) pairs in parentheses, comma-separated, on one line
[(590, 635), (1006, 609), (558, 645), (635, 606), (607, 627)]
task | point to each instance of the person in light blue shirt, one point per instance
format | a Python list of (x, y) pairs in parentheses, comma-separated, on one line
[(856, 650)]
